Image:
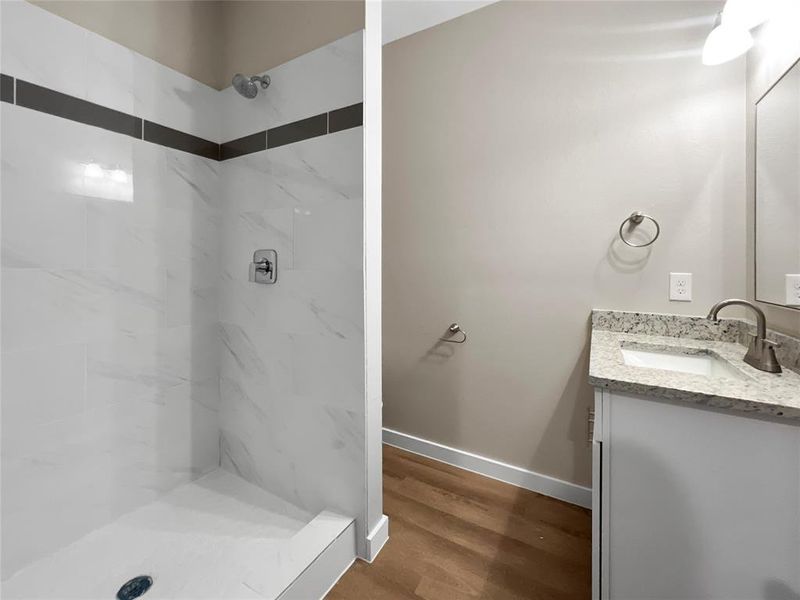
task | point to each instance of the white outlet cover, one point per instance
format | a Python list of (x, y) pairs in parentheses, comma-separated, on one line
[(680, 287), (793, 289)]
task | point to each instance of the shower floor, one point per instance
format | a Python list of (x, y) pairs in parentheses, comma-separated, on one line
[(218, 537)]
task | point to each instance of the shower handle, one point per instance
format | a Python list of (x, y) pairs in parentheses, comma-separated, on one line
[(264, 268)]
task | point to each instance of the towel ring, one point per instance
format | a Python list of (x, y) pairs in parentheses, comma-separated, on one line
[(636, 218), (454, 329)]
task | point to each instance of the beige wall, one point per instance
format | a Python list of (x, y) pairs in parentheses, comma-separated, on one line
[(516, 139), (777, 48), (262, 34), (210, 40), (181, 35)]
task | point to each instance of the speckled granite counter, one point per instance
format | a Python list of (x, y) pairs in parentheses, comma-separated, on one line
[(750, 391)]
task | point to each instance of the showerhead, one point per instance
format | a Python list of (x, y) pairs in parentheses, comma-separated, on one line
[(247, 87)]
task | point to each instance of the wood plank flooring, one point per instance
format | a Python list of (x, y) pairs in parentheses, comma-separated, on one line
[(456, 535)]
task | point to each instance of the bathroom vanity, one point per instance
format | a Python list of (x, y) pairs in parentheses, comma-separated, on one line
[(696, 461)]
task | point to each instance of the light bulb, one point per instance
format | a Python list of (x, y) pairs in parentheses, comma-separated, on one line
[(746, 14), (726, 42), (93, 170)]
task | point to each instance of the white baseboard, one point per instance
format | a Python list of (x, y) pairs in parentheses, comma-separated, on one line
[(377, 538), (530, 480)]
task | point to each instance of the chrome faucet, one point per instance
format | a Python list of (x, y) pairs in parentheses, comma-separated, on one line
[(761, 352)]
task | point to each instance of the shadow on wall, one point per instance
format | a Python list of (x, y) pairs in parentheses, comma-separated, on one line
[(440, 353), (571, 416), (626, 259), (205, 387), (441, 368), (778, 590), (191, 186)]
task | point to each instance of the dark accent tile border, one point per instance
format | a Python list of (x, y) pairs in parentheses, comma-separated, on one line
[(346, 118), (172, 138), (244, 145), (6, 88), (298, 131), (42, 99), (55, 103)]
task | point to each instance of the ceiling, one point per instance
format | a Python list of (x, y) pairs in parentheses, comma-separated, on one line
[(405, 17)]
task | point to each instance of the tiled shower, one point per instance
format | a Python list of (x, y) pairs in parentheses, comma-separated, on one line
[(162, 414)]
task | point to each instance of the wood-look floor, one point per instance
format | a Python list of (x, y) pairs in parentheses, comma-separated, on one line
[(454, 534)]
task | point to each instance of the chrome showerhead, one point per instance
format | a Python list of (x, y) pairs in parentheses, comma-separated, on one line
[(247, 87)]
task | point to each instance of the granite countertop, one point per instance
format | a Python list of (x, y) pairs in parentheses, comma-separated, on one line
[(748, 390)]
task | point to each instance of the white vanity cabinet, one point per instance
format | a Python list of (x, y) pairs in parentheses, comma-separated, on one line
[(691, 502)]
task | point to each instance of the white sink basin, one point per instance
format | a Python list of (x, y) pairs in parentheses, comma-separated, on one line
[(694, 362)]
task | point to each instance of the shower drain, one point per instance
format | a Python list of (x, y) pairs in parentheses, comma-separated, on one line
[(135, 587)]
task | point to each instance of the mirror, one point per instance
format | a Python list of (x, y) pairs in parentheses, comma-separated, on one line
[(777, 218)]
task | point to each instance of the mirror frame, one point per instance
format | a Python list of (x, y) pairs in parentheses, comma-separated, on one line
[(796, 63)]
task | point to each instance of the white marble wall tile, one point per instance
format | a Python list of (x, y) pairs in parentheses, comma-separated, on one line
[(249, 230), (33, 522), (40, 47), (170, 98), (109, 312), (317, 171), (244, 182), (103, 463), (122, 234), (324, 79), (240, 116), (56, 161), (50, 307), (110, 73), (45, 49), (176, 179), (180, 426), (323, 303), (322, 471), (136, 366), (191, 293), (328, 369), (329, 237), (42, 385), (46, 307), (240, 303), (319, 303), (132, 298), (41, 228), (145, 365), (174, 215), (258, 361), (293, 354)]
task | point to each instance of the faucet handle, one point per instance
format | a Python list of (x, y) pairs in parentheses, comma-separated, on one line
[(772, 343)]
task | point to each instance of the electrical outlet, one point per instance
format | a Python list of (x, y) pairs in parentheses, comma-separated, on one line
[(680, 287), (793, 290)]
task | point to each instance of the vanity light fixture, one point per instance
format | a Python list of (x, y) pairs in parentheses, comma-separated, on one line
[(726, 41), (731, 34)]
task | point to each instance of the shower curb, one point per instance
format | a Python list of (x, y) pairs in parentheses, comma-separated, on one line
[(318, 578)]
